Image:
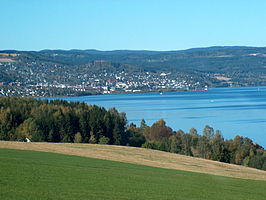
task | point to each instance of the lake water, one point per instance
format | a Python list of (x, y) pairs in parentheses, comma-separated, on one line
[(234, 111)]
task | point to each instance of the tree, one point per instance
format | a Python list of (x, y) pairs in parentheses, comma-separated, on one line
[(257, 161), (134, 136), (143, 125), (217, 147), (158, 145), (117, 135), (104, 140), (204, 147), (159, 131), (29, 129), (208, 132), (186, 144), (92, 139), (193, 132), (23, 131), (78, 138), (175, 144), (5, 123)]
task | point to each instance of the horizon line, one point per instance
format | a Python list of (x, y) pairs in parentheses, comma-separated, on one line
[(111, 50)]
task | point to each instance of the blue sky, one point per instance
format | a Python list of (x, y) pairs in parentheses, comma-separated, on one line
[(131, 24)]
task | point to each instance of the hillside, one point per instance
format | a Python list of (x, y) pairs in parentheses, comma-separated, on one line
[(80, 72), (143, 157), (40, 175)]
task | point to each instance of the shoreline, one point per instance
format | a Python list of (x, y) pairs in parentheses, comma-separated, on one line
[(154, 91)]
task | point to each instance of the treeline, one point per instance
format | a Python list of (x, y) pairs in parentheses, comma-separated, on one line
[(210, 145), (62, 121), (59, 121)]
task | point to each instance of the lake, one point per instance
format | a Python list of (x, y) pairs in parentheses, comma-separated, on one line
[(234, 111)]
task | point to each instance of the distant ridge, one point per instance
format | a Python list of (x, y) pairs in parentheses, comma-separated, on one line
[(132, 51), (217, 66)]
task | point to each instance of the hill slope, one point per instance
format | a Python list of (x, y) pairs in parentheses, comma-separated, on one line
[(78, 72), (40, 175), (143, 157)]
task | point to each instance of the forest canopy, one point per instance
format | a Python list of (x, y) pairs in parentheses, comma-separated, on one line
[(62, 121)]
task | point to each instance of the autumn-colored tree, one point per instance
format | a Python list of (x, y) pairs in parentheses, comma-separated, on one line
[(158, 131)]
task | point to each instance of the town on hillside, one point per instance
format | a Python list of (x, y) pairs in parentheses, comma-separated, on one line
[(85, 72)]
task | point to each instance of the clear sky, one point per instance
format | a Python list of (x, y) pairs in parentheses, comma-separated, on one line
[(131, 24)]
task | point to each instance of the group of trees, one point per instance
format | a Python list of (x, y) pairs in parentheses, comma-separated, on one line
[(61, 121), (209, 145)]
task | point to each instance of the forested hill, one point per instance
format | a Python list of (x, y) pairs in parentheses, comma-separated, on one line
[(87, 71), (201, 59)]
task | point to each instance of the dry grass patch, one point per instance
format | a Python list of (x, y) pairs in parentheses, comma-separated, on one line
[(6, 60), (222, 78), (143, 157)]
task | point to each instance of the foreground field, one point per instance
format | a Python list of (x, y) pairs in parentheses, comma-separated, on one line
[(41, 175), (143, 157)]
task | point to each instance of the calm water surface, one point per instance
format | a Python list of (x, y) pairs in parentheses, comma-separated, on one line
[(234, 111)]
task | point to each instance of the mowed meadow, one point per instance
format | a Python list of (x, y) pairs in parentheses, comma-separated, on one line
[(142, 156), (27, 174)]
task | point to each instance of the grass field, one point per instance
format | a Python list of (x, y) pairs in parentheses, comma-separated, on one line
[(41, 175), (143, 157)]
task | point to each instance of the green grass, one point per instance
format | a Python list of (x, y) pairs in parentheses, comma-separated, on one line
[(39, 175)]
